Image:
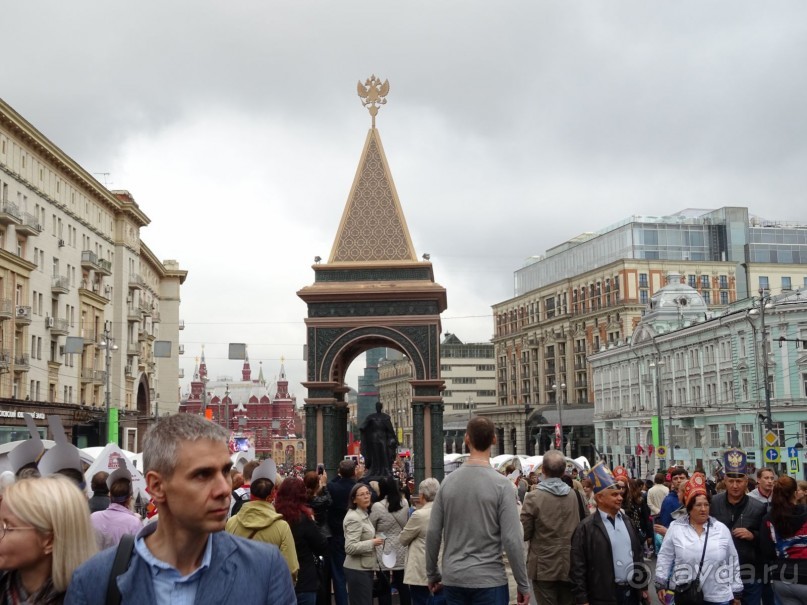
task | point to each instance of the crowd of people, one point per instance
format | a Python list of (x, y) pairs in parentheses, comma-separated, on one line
[(559, 536)]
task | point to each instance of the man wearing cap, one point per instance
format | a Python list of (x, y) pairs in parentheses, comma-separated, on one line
[(185, 557), (258, 520), (743, 516), (607, 556), (549, 517), (117, 520)]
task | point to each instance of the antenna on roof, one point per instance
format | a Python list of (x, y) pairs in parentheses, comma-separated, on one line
[(105, 175)]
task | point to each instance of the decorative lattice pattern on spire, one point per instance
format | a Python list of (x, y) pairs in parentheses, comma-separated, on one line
[(373, 228)]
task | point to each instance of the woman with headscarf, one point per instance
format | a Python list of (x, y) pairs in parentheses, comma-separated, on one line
[(699, 547), (389, 516), (783, 541), (45, 534)]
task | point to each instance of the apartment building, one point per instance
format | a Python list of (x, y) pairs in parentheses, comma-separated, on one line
[(82, 299)]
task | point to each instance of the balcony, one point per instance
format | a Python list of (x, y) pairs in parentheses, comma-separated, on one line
[(5, 359), (132, 313), (60, 284), (89, 259), (181, 325), (144, 307), (89, 335), (128, 372), (22, 316), (58, 326), (29, 225), (141, 335), (99, 376), (9, 213), (136, 282), (104, 267), (181, 349), (22, 362), (87, 375), (132, 349), (155, 317), (6, 308)]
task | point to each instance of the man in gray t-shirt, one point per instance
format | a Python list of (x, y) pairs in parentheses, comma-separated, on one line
[(475, 517)]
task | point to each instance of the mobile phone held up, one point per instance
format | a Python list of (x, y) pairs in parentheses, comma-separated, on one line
[(320, 468)]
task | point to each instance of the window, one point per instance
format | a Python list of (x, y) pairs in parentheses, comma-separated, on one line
[(747, 435), (704, 281), (786, 285), (804, 383), (724, 298), (707, 297), (643, 297), (763, 282), (714, 435), (643, 280), (691, 281), (724, 282)]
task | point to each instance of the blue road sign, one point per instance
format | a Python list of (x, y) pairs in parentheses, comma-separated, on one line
[(792, 452), (772, 454)]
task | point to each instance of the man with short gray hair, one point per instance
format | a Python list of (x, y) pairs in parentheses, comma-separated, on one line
[(185, 557), (549, 517)]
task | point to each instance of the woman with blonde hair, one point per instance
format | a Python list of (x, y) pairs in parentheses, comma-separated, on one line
[(45, 534)]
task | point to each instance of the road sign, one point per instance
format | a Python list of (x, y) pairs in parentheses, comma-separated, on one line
[(794, 466), (792, 452), (771, 438), (661, 451), (771, 454)]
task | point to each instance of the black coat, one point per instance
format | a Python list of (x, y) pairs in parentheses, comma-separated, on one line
[(592, 565), (339, 489), (309, 543), (748, 516)]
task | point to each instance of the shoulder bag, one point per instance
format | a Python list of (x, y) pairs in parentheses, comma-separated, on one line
[(691, 593)]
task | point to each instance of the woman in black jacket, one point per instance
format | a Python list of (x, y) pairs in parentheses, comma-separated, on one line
[(291, 502)]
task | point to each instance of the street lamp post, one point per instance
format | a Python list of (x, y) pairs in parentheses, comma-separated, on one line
[(108, 347), (764, 303), (559, 388), (659, 411)]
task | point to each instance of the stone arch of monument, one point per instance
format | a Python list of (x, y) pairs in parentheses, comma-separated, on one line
[(373, 292)]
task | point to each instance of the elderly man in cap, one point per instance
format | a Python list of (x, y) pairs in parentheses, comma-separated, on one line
[(185, 557), (258, 520), (118, 519), (743, 516), (606, 557)]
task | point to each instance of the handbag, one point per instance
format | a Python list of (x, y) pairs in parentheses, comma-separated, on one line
[(691, 593), (381, 581)]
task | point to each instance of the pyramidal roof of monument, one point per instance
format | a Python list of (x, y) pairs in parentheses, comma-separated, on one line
[(373, 228)]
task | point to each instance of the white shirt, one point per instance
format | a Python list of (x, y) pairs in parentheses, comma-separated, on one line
[(680, 556)]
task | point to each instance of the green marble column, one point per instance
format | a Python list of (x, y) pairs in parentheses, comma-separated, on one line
[(310, 436), (329, 438), (419, 443), (341, 431), (438, 441)]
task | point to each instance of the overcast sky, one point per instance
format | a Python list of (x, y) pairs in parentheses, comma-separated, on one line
[(510, 127)]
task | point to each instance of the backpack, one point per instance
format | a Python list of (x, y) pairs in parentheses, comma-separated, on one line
[(240, 499)]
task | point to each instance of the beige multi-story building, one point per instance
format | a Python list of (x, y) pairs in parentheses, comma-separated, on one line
[(74, 275), (589, 294), (470, 376)]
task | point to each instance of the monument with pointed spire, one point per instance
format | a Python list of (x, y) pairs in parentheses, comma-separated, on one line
[(373, 292)]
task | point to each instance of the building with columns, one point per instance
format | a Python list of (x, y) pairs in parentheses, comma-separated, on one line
[(590, 292), (693, 381), (73, 266)]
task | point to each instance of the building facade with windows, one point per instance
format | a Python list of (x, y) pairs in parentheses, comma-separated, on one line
[(469, 373), (694, 382), (590, 293), (73, 266)]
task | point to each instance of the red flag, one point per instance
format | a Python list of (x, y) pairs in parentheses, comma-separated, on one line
[(639, 450)]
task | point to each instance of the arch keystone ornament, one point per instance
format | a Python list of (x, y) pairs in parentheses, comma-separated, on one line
[(372, 292)]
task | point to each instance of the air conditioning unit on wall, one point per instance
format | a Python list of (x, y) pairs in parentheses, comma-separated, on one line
[(49, 322), (23, 312)]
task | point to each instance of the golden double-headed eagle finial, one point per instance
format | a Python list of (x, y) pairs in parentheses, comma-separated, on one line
[(373, 93)]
